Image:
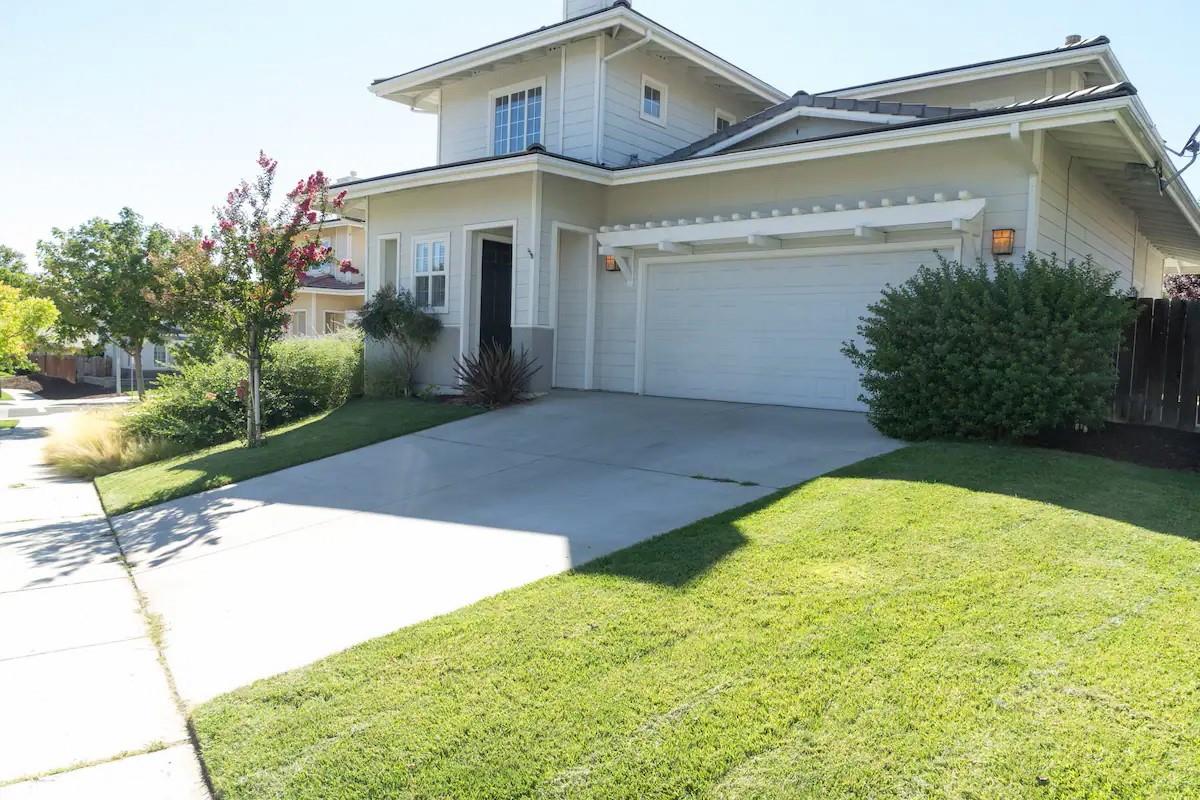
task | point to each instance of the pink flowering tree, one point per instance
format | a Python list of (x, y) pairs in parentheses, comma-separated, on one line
[(1182, 287), (234, 285)]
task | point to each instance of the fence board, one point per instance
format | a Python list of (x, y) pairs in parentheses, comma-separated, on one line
[(1172, 362), (1140, 378), (1189, 378), (1122, 401)]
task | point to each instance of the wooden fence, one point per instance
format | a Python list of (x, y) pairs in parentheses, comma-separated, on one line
[(1158, 366), (72, 368)]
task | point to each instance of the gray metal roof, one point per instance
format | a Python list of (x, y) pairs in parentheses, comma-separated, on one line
[(806, 100)]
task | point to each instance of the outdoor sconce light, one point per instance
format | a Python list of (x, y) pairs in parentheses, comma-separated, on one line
[(1003, 241), (611, 265)]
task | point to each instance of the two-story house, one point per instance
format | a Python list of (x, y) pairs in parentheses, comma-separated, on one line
[(330, 296), (643, 216)]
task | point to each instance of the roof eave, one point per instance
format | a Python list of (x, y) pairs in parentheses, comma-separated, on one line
[(1055, 58), (400, 88)]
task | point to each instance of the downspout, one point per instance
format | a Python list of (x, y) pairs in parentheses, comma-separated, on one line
[(603, 87), (535, 253)]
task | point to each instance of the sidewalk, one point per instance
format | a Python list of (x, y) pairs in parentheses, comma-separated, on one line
[(82, 693), (27, 404)]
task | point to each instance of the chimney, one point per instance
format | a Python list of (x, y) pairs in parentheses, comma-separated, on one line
[(579, 8), (1072, 40)]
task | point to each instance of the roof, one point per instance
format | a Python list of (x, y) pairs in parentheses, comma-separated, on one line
[(329, 282), (426, 80), (1070, 98), (802, 100), (1083, 44)]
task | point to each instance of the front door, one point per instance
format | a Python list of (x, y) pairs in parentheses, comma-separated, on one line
[(495, 295)]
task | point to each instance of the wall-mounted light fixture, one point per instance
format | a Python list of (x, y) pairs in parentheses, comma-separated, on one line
[(611, 265), (1003, 241)]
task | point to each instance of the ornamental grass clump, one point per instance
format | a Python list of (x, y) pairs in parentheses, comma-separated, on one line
[(94, 443), (995, 351)]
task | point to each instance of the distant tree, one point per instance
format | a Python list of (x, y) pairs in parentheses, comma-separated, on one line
[(14, 271), (1182, 287), (24, 321), (107, 281), (231, 288)]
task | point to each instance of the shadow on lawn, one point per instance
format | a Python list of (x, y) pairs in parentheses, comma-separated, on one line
[(1159, 500)]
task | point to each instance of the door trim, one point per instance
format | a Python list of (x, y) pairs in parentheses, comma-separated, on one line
[(469, 263), (954, 245)]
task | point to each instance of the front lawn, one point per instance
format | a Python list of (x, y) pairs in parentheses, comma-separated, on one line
[(949, 620), (356, 424), (5, 396), (7, 423)]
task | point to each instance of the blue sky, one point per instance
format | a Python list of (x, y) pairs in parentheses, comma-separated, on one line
[(163, 106)]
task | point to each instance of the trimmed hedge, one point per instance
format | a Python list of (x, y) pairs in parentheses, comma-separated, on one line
[(198, 406), (995, 351)]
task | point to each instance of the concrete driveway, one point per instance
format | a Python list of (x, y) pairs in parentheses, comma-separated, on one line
[(278, 571)]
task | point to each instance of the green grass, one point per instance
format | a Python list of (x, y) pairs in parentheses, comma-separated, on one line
[(356, 424), (5, 396), (945, 621), (7, 423)]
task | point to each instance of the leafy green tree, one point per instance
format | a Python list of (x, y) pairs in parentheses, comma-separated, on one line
[(24, 321), (233, 286), (15, 272), (105, 278)]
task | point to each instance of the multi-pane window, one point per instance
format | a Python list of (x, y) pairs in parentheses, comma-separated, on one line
[(429, 273), (724, 120), (517, 120), (298, 324), (335, 321), (654, 100)]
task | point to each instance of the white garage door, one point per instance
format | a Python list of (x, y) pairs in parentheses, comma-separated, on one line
[(763, 330)]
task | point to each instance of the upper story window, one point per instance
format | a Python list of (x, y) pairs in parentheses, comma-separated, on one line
[(723, 120), (654, 101), (429, 272), (517, 116)]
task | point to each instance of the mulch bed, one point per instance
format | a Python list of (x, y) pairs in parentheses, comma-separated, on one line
[(56, 388), (1139, 444)]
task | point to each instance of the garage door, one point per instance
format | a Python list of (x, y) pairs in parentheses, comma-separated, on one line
[(763, 330)]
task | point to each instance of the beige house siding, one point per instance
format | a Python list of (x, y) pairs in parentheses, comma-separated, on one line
[(315, 304), (1085, 219)]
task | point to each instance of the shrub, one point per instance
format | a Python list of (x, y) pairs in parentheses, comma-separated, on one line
[(199, 405), (495, 376), (95, 443), (394, 318), (993, 352)]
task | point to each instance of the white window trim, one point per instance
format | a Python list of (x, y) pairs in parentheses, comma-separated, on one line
[(325, 319), (430, 238), (721, 114), (384, 267), (298, 315), (661, 119), (536, 83)]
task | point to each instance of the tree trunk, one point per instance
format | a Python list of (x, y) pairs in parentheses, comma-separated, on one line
[(138, 377), (253, 406)]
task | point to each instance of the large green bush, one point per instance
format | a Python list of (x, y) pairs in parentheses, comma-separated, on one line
[(995, 351), (199, 405)]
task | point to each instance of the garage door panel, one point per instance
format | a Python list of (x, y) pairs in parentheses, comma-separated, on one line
[(763, 330)]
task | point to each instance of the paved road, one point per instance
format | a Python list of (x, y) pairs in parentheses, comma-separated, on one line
[(278, 571), (80, 680)]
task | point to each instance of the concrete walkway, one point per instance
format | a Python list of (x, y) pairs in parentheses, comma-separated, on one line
[(278, 571), (80, 680)]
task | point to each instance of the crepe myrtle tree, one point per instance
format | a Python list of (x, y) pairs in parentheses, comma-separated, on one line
[(234, 284), (1182, 287)]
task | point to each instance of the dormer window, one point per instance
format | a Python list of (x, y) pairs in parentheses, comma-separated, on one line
[(723, 120), (517, 114), (654, 101)]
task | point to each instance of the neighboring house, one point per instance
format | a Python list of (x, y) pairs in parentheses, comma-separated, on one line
[(330, 297), (156, 359), (644, 216)]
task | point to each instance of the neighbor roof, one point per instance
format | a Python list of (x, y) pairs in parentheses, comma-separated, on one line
[(802, 100), (328, 282), (1094, 41)]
